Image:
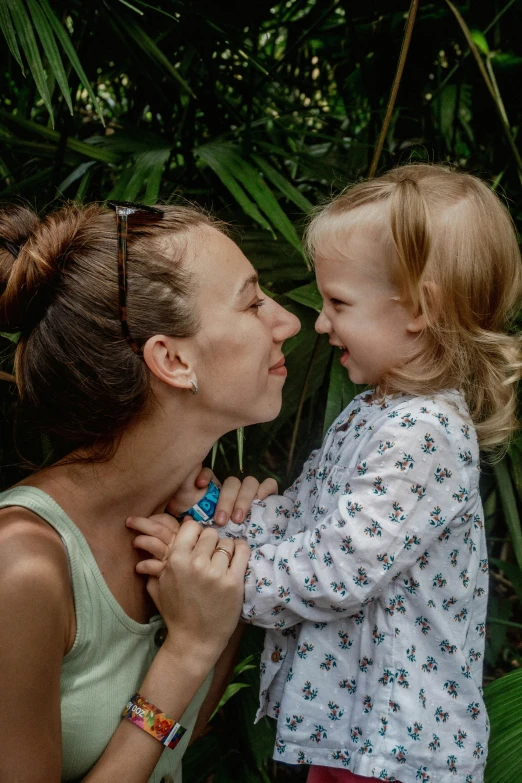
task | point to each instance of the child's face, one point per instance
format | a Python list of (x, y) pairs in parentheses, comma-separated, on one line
[(362, 310)]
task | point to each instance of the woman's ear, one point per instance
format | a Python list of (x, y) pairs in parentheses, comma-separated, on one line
[(171, 360)]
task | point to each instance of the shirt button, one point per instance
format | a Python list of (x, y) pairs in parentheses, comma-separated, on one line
[(167, 779), (276, 656), (159, 638)]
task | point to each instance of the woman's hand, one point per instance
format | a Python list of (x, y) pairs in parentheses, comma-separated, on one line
[(199, 592), (235, 497)]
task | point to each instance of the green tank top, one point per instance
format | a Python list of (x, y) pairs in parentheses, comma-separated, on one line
[(109, 658)]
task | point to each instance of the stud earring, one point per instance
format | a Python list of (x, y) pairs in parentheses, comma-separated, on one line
[(195, 387)]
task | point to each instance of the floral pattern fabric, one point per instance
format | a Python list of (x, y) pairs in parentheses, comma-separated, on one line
[(370, 576)]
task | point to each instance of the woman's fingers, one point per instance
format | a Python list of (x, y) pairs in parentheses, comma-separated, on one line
[(223, 554), (154, 546), (239, 563), (266, 488)]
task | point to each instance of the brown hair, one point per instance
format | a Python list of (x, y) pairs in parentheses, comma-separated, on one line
[(447, 228), (74, 369)]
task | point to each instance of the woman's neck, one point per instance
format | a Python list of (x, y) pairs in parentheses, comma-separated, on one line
[(152, 459)]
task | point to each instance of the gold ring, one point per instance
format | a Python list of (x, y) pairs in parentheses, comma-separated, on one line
[(223, 549)]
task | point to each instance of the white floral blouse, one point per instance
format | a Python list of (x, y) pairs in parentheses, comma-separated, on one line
[(370, 576)]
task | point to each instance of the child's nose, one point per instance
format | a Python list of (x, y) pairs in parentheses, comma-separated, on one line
[(323, 325)]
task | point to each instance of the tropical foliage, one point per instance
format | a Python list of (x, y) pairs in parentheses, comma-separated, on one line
[(260, 111)]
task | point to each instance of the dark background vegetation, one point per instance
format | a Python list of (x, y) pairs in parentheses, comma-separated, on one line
[(259, 111)]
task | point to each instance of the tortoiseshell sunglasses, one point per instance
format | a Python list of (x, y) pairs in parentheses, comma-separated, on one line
[(123, 210)]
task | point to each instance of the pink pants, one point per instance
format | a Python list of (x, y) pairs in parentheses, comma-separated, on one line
[(334, 775)]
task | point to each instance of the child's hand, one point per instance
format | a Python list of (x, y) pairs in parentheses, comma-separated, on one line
[(235, 498), (158, 534)]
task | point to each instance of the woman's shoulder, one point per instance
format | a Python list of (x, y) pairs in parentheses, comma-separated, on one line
[(33, 558)]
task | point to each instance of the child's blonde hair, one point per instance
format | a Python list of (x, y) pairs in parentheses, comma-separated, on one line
[(458, 261)]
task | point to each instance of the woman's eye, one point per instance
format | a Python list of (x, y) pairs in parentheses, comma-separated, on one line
[(257, 304)]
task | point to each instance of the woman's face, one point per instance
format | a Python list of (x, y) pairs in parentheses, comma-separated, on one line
[(240, 363)]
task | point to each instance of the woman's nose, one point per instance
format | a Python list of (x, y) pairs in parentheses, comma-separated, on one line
[(323, 325), (286, 324)]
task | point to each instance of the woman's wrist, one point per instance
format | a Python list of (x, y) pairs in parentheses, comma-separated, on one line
[(191, 656)]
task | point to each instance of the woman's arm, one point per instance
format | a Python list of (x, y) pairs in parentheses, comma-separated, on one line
[(222, 673), (198, 593), (34, 618)]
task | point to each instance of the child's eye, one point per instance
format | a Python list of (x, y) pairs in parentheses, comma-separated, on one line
[(337, 302)]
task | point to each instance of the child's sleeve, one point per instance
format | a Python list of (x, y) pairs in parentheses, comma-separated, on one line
[(396, 504)]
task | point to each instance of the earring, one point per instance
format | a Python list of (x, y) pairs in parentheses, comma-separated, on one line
[(195, 387)]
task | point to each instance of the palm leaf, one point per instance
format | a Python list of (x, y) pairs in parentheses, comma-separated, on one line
[(151, 49), (504, 704), (24, 30), (68, 48), (509, 506), (6, 25), (46, 35), (280, 182)]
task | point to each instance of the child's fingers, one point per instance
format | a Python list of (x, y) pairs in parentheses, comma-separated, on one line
[(206, 475), (161, 526), (150, 567), (227, 498), (247, 494), (266, 488), (154, 546)]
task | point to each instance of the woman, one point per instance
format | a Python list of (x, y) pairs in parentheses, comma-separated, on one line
[(136, 384)]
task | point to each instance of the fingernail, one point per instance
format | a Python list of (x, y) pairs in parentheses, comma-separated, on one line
[(221, 517), (238, 515), (128, 520)]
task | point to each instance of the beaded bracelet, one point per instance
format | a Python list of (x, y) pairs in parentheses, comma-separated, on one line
[(204, 509), (149, 718)]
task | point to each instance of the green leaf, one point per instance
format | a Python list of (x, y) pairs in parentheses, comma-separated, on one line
[(341, 392), (13, 337), (509, 507), (512, 572), (240, 446), (307, 295), (503, 699), (479, 39), (256, 186), (68, 48), (149, 48), (230, 691), (45, 33), (211, 157), (280, 182), (25, 33), (78, 172), (6, 25)]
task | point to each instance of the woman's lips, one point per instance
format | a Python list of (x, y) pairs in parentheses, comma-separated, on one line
[(279, 368)]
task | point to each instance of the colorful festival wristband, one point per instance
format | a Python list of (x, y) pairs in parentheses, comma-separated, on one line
[(149, 718), (204, 509)]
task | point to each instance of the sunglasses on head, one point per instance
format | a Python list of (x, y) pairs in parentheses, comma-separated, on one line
[(123, 210)]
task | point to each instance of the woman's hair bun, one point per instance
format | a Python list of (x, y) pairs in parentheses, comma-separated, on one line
[(31, 254)]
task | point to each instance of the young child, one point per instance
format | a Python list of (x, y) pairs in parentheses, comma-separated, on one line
[(370, 572)]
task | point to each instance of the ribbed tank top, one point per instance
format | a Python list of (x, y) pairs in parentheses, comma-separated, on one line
[(109, 658)]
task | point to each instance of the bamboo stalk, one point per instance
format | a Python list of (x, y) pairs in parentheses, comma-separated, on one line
[(5, 376), (395, 87), (490, 86)]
